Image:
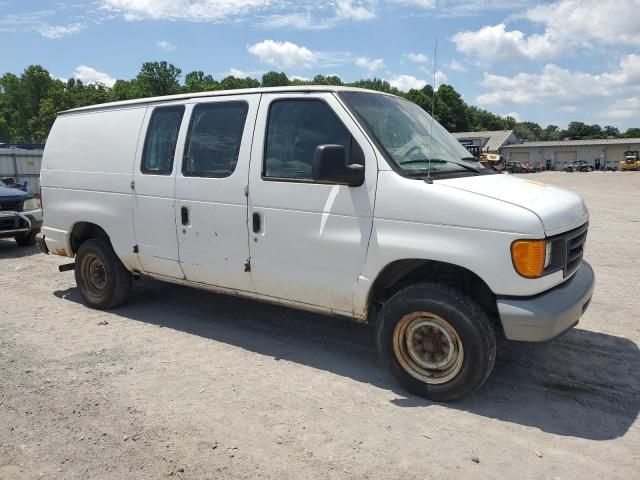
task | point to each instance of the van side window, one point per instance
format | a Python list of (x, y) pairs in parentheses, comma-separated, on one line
[(213, 140), (162, 136), (295, 128)]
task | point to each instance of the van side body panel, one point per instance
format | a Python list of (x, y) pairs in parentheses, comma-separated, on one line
[(416, 220), (86, 177)]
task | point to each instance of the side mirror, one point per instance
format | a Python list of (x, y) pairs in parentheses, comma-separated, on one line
[(330, 166)]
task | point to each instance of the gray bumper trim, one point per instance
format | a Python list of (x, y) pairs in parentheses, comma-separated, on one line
[(551, 313), (18, 231)]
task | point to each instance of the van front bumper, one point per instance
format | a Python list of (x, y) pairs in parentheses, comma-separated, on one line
[(548, 315)]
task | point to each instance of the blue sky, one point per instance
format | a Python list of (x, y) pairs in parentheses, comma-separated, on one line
[(544, 61)]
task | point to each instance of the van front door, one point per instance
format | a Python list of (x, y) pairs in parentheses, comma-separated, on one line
[(308, 240), (153, 191), (210, 192)]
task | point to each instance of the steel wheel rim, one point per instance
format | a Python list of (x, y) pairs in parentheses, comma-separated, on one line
[(94, 275), (428, 347)]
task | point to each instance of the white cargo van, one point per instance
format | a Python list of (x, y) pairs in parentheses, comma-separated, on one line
[(331, 199)]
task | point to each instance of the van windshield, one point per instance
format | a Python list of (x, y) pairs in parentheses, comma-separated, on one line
[(404, 133)]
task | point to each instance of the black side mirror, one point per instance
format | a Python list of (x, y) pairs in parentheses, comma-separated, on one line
[(330, 166)]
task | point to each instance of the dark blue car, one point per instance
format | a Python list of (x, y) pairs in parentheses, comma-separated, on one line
[(20, 215)]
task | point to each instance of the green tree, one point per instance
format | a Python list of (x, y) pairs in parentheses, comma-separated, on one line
[(199, 82), (632, 133), (330, 80), (275, 79), (158, 79), (550, 133), (453, 110), (609, 131), (233, 83), (528, 131)]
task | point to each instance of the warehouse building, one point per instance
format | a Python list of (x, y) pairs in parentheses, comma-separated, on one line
[(22, 163), (600, 153), (486, 142)]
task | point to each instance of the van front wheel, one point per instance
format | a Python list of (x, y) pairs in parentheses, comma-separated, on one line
[(101, 277), (437, 341)]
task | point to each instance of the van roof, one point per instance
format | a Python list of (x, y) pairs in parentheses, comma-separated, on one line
[(219, 93)]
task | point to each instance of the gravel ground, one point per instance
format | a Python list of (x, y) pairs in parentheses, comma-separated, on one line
[(187, 384)]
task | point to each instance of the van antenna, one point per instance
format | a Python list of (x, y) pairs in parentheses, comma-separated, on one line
[(433, 108)]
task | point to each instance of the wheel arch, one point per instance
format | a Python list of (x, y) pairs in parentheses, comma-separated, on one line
[(404, 272), (83, 231)]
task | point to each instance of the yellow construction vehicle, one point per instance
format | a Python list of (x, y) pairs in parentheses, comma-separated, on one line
[(631, 161), (492, 161)]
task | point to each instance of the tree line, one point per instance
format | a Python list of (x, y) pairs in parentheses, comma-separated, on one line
[(29, 102)]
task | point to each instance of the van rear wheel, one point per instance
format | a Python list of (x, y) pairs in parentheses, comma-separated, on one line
[(437, 341), (101, 277)]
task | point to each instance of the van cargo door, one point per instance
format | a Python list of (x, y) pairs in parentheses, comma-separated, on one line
[(153, 186)]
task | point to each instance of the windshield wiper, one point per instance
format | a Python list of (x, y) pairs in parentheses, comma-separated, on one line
[(423, 160)]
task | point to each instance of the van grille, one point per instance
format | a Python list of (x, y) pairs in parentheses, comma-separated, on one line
[(575, 250), (574, 241), (11, 205)]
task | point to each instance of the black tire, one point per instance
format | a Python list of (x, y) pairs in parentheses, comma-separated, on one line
[(27, 240), (101, 277), (468, 320)]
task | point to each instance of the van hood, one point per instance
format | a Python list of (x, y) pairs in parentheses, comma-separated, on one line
[(559, 210)]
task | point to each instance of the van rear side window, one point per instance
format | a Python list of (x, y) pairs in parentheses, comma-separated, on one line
[(162, 136), (213, 141)]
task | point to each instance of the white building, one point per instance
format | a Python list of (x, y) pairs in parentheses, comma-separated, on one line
[(489, 142), (603, 153)]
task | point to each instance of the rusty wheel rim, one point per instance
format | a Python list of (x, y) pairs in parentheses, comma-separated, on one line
[(94, 275), (428, 347)]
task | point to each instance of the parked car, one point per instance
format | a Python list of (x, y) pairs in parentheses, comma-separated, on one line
[(331, 199), (20, 215), (517, 167), (579, 166)]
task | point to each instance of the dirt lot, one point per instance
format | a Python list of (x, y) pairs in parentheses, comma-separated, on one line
[(187, 384)]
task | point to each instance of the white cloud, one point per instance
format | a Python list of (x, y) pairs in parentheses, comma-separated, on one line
[(515, 115), (441, 78), (456, 66), (568, 26), (460, 8), (405, 83), (234, 72), (562, 85), (572, 20), (494, 44), (353, 10), (417, 3), (168, 46), (624, 109), (58, 31), (370, 64), (192, 10), (283, 54), (89, 75), (419, 58), (298, 21)]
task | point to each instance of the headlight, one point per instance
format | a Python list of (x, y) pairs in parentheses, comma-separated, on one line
[(530, 257), (31, 204)]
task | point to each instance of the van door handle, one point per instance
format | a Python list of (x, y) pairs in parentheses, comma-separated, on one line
[(257, 222), (184, 214)]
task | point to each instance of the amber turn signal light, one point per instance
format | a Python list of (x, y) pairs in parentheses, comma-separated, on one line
[(528, 257)]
